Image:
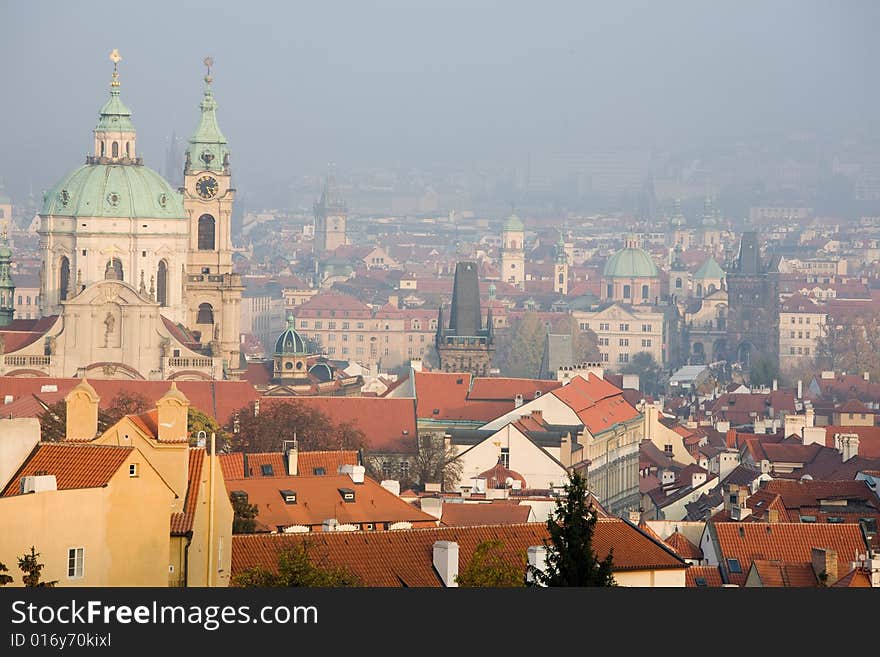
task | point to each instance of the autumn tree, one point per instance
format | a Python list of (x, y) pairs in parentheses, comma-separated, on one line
[(584, 343), (519, 349), (490, 567), (571, 560), (30, 565), (648, 371), (436, 462), (267, 429), (244, 514), (851, 343), (297, 568), (53, 420), (197, 421), (763, 371)]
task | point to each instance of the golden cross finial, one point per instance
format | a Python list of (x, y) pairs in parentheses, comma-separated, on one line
[(115, 58), (209, 62)]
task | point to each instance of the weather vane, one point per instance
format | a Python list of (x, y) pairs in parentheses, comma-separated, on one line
[(115, 58), (209, 62)]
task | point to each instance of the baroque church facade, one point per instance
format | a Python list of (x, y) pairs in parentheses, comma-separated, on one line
[(136, 277)]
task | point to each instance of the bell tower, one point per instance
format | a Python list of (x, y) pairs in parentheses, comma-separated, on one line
[(560, 268), (212, 291), (330, 218)]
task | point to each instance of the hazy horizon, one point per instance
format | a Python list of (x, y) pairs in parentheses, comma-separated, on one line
[(389, 84)]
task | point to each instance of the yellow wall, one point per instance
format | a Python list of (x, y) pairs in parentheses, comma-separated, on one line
[(123, 528), (222, 539), (651, 578)]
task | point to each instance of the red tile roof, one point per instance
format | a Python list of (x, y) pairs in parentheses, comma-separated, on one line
[(494, 513), (856, 578), (388, 423), (318, 499), (74, 465), (853, 406), (711, 575), (233, 464), (405, 558), (506, 389), (790, 542), (774, 573), (598, 404), (869, 439), (182, 522), (683, 547), (803, 493), (444, 396)]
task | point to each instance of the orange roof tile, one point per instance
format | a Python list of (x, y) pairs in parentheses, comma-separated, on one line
[(856, 578), (775, 573), (493, 513), (599, 404), (388, 423), (318, 499), (307, 463), (710, 576), (504, 388), (74, 465), (405, 558), (182, 523), (791, 542), (444, 396), (683, 547)]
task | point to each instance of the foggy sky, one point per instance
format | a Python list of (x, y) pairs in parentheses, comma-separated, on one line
[(415, 83)]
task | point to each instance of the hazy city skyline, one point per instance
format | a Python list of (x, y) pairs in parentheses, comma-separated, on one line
[(380, 84)]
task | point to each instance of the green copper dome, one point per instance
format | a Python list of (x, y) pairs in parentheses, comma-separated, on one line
[(115, 115), (514, 223), (631, 262), (208, 148), (290, 342), (709, 270), (114, 190)]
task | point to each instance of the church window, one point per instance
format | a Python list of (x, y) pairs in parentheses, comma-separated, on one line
[(627, 291), (162, 284), (64, 277), (206, 314), (677, 283), (645, 292), (115, 149), (561, 277), (206, 233), (610, 291), (113, 270), (128, 149), (103, 149)]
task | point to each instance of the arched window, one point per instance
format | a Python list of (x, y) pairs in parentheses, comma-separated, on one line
[(128, 149), (627, 291), (609, 291), (645, 292), (115, 148), (711, 288), (162, 284), (113, 270), (206, 233), (103, 149), (699, 290), (561, 278), (64, 278), (206, 314), (677, 283)]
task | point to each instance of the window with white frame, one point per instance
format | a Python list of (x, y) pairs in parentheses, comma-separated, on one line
[(75, 562)]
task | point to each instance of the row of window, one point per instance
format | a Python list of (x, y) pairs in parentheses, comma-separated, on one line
[(624, 342), (800, 334), (800, 350), (27, 300), (606, 326), (359, 351)]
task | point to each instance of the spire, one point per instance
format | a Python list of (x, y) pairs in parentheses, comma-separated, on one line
[(677, 216), (115, 136), (7, 287), (115, 116), (560, 250), (330, 195), (208, 148)]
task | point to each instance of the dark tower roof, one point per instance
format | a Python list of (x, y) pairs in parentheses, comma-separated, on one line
[(748, 261), (464, 316)]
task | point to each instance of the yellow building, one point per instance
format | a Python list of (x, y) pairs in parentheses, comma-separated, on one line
[(624, 331), (97, 514)]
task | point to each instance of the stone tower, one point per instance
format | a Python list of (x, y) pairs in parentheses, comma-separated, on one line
[(330, 218), (513, 251), (463, 344), (7, 287), (753, 310), (212, 290), (560, 268)]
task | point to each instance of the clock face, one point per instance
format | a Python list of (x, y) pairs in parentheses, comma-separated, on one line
[(206, 187)]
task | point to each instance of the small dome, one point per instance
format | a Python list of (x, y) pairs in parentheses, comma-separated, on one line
[(5, 252), (290, 342), (514, 223), (322, 372), (630, 262), (114, 190), (500, 477)]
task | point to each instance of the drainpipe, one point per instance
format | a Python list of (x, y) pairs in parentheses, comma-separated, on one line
[(189, 538), (211, 511)]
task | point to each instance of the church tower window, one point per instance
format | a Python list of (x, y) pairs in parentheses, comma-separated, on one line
[(206, 233), (162, 284), (206, 314), (64, 277), (115, 149)]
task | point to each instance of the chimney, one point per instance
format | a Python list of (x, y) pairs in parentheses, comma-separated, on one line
[(517, 401), (866, 376), (772, 515), (847, 444), (356, 472), (538, 415), (446, 562), (173, 408), (698, 479), (825, 561), (291, 453), (82, 412), (537, 555), (392, 486), (433, 506), (775, 384), (415, 364), (18, 437), (811, 417), (800, 389)]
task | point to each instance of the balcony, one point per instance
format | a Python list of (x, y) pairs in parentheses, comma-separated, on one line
[(190, 362), (34, 361)]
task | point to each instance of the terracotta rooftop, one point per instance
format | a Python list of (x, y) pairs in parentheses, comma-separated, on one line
[(790, 542), (182, 522), (683, 547), (494, 513), (506, 389), (774, 573), (318, 498), (703, 576), (405, 558), (598, 404), (74, 465), (307, 463), (856, 578), (444, 396), (853, 406)]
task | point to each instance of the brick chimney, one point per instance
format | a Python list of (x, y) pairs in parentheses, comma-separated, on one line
[(825, 561), (173, 409), (82, 412)]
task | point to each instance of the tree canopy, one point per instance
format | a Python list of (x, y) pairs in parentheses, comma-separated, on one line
[(571, 560), (296, 568), (489, 567), (30, 565), (648, 371)]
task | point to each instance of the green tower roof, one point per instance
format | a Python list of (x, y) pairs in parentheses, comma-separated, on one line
[(630, 262), (208, 147), (709, 270), (514, 223), (290, 342), (115, 115)]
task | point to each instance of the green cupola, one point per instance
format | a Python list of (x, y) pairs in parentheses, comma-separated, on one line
[(115, 136), (208, 149)]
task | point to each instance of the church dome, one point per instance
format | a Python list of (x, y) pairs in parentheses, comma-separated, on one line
[(514, 223), (114, 190), (630, 262), (290, 342)]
